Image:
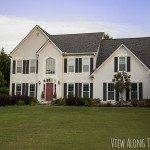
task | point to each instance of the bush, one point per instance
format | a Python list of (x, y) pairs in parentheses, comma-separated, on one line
[(21, 103), (147, 102), (33, 101), (5, 100), (134, 103), (96, 102), (4, 90), (59, 102)]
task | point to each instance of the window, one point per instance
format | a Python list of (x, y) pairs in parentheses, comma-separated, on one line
[(18, 89), (19, 66), (50, 66), (86, 63), (70, 90), (122, 63), (71, 65), (32, 66), (111, 91), (86, 90), (32, 90), (134, 91)]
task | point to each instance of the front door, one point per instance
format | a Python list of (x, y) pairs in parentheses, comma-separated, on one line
[(49, 91)]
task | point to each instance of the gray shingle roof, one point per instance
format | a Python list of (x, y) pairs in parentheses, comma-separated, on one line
[(77, 43), (139, 46)]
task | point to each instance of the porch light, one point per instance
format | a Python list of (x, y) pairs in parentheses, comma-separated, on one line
[(39, 82), (58, 82)]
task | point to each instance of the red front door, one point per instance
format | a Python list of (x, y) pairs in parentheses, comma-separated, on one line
[(49, 91)]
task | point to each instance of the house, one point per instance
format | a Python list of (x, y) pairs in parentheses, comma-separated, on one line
[(80, 65)]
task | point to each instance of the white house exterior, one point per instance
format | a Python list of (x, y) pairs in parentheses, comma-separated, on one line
[(80, 65)]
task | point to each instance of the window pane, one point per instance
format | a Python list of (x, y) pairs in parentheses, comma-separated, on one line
[(134, 95), (86, 94), (19, 66), (110, 95), (70, 87), (122, 67), (86, 90), (18, 89), (71, 65), (50, 66), (32, 90), (110, 91), (110, 87), (134, 87), (122, 64), (32, 66), (85, 64)]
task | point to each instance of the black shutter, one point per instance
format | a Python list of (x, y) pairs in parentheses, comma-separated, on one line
[(117, 95), (37, 66), (36, 90), (128, 64), (65, 89), (76, 90), (91, 90), (23, 88), (91, 64), (104, 91), (80, 89), (14, 67), (24, 66), (13, 89), (27, 66), (140, 91), (76, 65), (65, 65), (80, 64), (127, 95), (26, 89), (115, 64)]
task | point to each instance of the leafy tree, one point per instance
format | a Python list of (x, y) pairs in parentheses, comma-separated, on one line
[(5, 65), (107, 36), (122, 82)]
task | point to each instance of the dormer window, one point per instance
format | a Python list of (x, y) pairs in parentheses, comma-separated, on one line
[(50, 66)]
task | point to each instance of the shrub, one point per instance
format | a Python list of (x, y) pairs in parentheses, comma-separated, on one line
[(4, 90), (134, 103), (147, 102), (5, 100), (96, 102), (21, 103), (59, 102)]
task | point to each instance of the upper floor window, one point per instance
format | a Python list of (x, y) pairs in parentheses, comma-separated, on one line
[(19, 66), (32, 66), (111, 92), (122, 63), (71, 64), (86, 62), (50, 66)]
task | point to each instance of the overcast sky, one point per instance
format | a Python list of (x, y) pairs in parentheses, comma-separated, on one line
[(119, 18)]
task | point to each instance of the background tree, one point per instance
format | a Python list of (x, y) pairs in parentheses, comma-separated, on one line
[(107, 36), (122, 82), (5, 65)]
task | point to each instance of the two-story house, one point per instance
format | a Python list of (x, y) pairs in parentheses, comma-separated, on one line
[(80, 65)]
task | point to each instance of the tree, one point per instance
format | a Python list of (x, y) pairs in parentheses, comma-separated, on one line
[(122, 82), (107, 36), (5, 65)]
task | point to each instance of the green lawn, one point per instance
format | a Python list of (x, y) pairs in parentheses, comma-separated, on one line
[(70, 128)]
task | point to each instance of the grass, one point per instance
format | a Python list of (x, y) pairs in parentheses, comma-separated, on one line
[(70, 128)]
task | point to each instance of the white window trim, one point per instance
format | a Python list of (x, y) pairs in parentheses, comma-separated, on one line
[(125, 63), (114, 92), (73, 88), (137, 90), (21, 66), (83, 65), (16, 87), (68, 65), (89, 88), (29, 89), (30, 66)]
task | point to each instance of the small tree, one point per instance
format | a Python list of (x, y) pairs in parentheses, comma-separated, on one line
[(122, 82), (107, 36)]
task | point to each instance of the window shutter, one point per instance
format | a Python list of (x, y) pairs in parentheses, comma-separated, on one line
[(115, 64), (23, 88), (128, 64), (36, 90), (91, 90), (14, 67), (91, 64), (24, 66), (104, 91), (80, 64), (80, 89), (27, 66), (76, 65), (117, 95), (127, 95), (65, 65), (65, 89), (37, 66), (76, 90), (140, 91), (13, 89), (26, 89)]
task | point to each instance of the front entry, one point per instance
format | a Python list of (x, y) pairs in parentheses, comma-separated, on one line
[(49, 91)]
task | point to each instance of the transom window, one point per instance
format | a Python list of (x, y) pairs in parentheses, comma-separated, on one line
[(70, 90), (86, 62), (86, 90), (122, 63), (18, 89), (111, 95), (19, 66), (32, 90), (50, 66), (32, 66), (71, 64), (134, 91)]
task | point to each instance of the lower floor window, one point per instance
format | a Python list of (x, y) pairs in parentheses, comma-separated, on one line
[(86, 90), (111, 94), (18, 89), (70, 90), (32, 90), (134, 91)]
